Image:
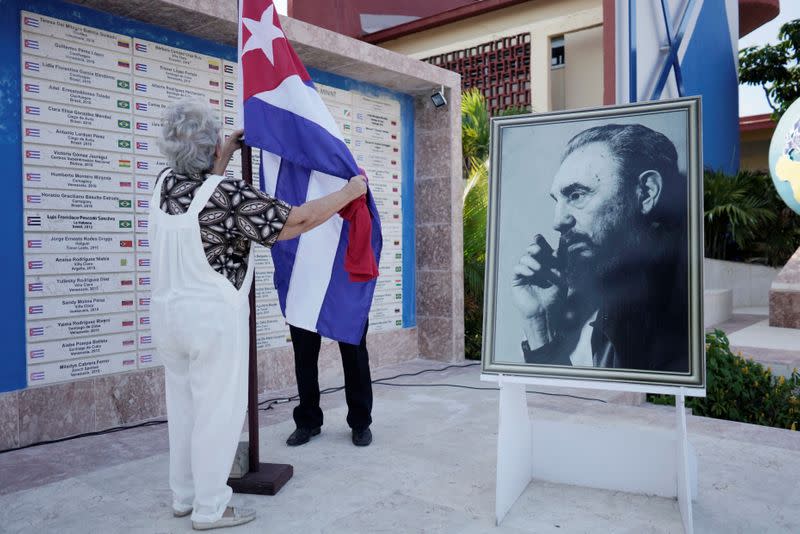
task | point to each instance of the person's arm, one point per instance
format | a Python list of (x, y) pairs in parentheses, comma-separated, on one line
[(225, 152), (315, 212)]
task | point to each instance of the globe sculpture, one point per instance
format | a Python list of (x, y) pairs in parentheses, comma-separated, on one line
[(784, 157)]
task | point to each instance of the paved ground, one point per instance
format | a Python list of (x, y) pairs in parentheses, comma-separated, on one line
[(430, 469)]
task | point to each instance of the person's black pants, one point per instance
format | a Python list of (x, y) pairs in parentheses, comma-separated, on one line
[(357, 380)]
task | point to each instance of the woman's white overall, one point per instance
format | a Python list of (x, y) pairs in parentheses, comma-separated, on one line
[(200, 325)]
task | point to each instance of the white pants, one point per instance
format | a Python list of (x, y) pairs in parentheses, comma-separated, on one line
[(205, 360)]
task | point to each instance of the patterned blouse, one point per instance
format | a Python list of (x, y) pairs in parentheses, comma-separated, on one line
[(236, 214)]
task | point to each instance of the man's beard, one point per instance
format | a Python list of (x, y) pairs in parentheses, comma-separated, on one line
[(593, 271)]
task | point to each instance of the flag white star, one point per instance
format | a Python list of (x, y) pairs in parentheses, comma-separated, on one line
[(263, 33)]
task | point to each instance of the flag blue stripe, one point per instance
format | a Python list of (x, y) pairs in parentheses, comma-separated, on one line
[(296, 139), (342, 316), (291, 187)]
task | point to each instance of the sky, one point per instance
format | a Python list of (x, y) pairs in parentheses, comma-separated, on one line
[(752, 100)]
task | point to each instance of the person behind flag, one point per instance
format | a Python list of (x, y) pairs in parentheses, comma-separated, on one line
[(325, 279), (201, 229)]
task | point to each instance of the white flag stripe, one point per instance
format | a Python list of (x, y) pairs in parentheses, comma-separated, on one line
[(295, 96), (272, 165), (313, 264)]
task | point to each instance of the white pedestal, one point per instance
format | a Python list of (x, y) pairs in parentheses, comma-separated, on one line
[(623, 457)]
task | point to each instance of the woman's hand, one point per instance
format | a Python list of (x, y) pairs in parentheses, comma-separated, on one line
[(226, 152), (356, 187)]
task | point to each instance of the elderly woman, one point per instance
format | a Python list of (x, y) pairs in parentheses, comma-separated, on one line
[(201, 229)]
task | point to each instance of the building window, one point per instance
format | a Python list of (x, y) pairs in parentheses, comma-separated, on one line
[(501, 69), (557, 52)]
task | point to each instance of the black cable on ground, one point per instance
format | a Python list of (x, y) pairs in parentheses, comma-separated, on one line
[(283, 400)]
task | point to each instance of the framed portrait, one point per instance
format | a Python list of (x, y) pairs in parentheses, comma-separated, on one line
[(595, 246)]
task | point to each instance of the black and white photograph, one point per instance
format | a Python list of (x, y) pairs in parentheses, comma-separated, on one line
[(594, 252)]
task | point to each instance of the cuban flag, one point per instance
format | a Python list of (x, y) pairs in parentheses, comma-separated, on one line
[(303, 158)]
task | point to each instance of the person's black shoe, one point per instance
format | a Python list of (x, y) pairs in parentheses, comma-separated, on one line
[(301, 436), (362, 438)]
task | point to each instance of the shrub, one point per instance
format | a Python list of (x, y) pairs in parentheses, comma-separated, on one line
[(739, 389)]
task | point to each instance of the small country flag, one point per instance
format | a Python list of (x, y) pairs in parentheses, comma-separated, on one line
[(144, 301), (123, 104), (34, 221), (127, 323), (123, 143), (213, 101), (34, 243), (126, 282), (141, 67), (394, 190), (228, 69), (141, 126), (143, 185), (125, 184), (394, 136), (395, 149), (124, 124), (38, 375), (228, 102), (395, 176), (123, 64), (32, 88), (35, 265), (394, 162), (141, 87), (141, 106), (127, 303), (394, 123), (33, 177), (125, 223), (125, 163), (146, 358), (126, 244), (229, 174), (123, 44), (143, 243), (32, 110), (396, 243), (144, 262), (141, 223), (33, 199), (125, 203), (128, 342), (213, 65), (36, 353), (35, 287), (142, 145), (145, 340), (143, 204), (128, 362), (144, 281), (33, 132), (33, 44), (213, 83), (396, 202), (123, 84), (229, 120), (142, 165), (36, 310), (140, 47), (36, 331), (31, 22), (123, 262), (144, 321), (32, 66), (33, 154)]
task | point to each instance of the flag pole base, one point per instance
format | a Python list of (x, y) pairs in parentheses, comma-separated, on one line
[(267, 480)]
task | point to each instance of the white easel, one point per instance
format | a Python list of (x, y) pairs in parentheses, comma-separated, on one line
[(630, 458)]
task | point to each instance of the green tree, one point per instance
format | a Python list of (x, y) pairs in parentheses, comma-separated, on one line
[(776, 68), (475, 126)]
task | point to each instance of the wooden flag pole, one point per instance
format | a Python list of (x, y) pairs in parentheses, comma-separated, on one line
[(261, 479)]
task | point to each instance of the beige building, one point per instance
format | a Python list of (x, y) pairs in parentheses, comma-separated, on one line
[(556, 51)]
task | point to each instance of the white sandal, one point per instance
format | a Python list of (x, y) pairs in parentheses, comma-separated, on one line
[(240, 517)]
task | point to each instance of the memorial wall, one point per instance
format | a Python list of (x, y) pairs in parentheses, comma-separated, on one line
[(91, 102)]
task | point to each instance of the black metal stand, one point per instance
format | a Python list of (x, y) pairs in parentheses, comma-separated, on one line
[(261, 479)]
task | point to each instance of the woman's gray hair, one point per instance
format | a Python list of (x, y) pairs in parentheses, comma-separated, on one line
[(189, 136)]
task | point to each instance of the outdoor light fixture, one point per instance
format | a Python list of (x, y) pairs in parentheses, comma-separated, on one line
[(438, 98)]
